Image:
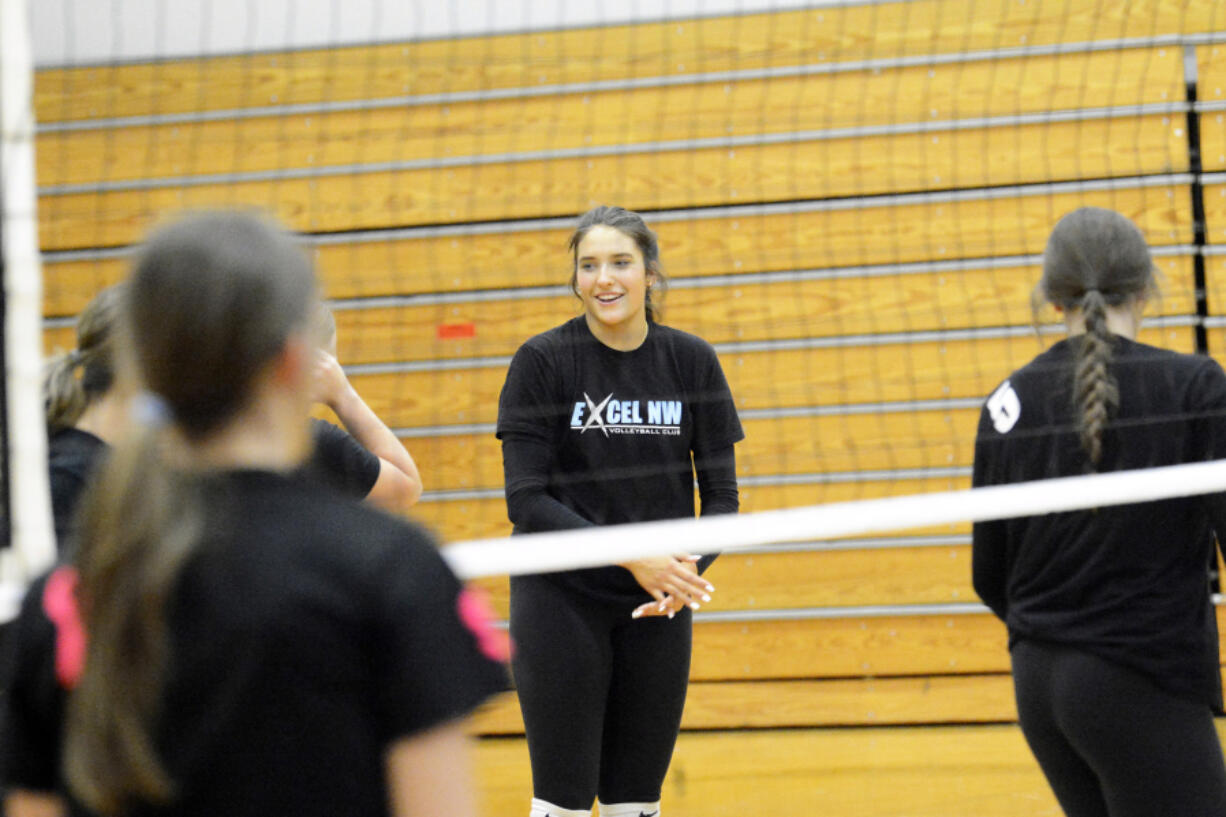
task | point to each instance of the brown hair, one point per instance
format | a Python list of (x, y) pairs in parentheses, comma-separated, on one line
[(75, 379), (213, 298), (1095, 259), (632, 225)]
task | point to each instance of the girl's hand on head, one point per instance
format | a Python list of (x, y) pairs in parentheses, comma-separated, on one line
[(331, 384), (672, 581)]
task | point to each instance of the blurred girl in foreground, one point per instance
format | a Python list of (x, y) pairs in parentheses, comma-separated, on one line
[(231, 638)]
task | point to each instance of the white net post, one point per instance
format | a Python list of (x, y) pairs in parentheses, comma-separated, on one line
[(33, 547)]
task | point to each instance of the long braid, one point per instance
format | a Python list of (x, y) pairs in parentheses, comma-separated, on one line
[(1095, 392)]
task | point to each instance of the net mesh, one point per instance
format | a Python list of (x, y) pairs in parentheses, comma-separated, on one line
[(851, 200)]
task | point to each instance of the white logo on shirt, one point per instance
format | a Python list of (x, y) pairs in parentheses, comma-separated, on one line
[(594, 418), (663, 417), (1004, 407)]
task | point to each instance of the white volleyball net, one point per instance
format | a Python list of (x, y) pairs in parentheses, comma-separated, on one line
[(851, 200)]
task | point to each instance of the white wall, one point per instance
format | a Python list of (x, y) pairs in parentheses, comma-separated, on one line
[(71, 32)]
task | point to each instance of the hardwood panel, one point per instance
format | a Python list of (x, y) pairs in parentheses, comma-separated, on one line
[(460, 519), (852, 647), (1217, 343), (1215, 214), (779, 310), (898, 575), (1215, 284), (822, 648), (758, 380), (840, 578), (1211, 87), (779, 379), (793, 445), (832, 702), (1213, 141), (889, 231), (936, 771), (770, 379), (627, 116), (788, 308), (863, 166), (544, 58)]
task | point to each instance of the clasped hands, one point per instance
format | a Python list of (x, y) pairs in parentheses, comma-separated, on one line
[(672, 581)]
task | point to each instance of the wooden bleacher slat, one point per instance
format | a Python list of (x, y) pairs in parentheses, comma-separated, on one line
[(1215, 213), (758, 704), (849, 647), (544, 58), (854, 647), (775, 379), (770, 379), (454, 520), (918, 371), (649, 181), (793, 445), (1215, 284), (910, 231), (830, 702), (738, 313), (1213, 141), (1211, 87), (627, 117), (735, 313), (1217, 344), (839, 578), (900, 302)]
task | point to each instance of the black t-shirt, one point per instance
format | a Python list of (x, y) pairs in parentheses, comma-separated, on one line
[(1126, 582), (622, 427), (307, 633), (72, 457), (341, 461)]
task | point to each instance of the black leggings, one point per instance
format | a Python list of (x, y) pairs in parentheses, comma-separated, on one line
[(1111, 743), (601, 693)]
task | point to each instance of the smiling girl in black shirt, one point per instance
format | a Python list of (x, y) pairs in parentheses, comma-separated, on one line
[(605, 420)]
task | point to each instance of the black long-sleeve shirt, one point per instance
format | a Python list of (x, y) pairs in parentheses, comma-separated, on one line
[(1127, 582), (596, 436)]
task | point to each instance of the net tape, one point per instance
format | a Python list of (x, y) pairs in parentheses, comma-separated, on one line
[(591, 547)]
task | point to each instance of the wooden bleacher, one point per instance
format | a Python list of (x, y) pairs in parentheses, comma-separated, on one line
[(872, 282), (921, 28), (700, 111)]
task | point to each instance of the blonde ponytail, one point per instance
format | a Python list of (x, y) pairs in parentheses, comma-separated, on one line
[(73, 379)]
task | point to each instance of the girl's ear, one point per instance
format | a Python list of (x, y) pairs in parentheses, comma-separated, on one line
[(293, 364)]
